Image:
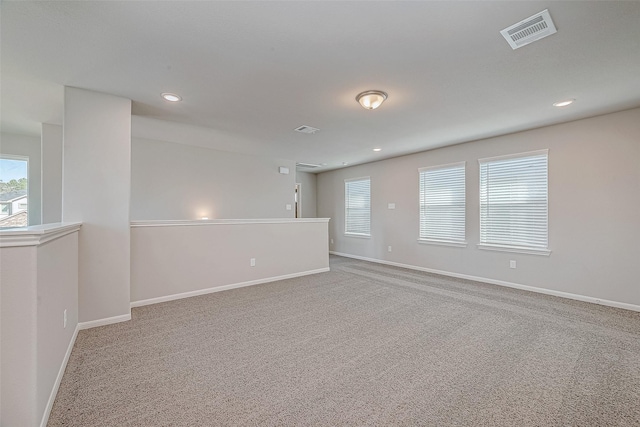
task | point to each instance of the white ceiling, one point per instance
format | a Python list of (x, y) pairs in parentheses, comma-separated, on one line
[(251, 72)]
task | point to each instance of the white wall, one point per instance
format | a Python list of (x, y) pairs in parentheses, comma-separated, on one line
[(594, 205), (308, 193), (96, 192), (18, 277), (176, 181), (51, 173), (57, 291), (27, 146), (39, 277), (194, 257)]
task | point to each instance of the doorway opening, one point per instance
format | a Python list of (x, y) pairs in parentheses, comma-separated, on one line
[(298, 200)]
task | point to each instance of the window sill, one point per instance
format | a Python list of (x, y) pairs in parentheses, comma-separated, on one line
[(360, 236), (442, 243), (514, 249)]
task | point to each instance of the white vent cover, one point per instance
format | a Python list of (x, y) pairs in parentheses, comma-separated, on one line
[(529, 30), (307, 165), (306, 129)]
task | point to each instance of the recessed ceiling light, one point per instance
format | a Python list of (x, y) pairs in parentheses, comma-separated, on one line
[(377, 149), (563, 103), (171, 97), (345, 163)]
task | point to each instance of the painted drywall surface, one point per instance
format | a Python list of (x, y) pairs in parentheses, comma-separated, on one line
[(308, 194), (27, 146), (51, 173), (57, 291), (594, 200), (39, 281), (171, 260), (96, 192), (18, 279), (175, 181)]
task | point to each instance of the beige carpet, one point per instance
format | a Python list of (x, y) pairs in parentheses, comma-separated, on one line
[(364, 344)]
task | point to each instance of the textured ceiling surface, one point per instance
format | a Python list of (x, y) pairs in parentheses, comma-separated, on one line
[(251, 72)]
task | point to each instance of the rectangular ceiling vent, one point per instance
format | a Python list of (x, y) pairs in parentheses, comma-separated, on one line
[(307, 165), (306, 129), (529, 30)]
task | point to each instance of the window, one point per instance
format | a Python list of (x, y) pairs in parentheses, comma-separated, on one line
[(13, 191), (513, 203), (442, 204), (357, 203)]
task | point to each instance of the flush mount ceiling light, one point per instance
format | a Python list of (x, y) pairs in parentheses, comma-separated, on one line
[(171, 97), (563, 103), (371, 99)]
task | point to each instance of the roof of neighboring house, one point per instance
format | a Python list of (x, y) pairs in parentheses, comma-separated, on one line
[(12, 195), (17, 220)]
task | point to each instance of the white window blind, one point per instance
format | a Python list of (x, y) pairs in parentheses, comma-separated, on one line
[(514, 201), (357, 201), (442, 203)]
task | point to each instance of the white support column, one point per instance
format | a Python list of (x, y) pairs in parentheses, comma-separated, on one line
[(51, 173), (96, 191)]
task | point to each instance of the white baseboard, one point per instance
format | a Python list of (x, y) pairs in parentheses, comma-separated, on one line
[(223, 288), (561, 294), (56, 384), (103, 322)]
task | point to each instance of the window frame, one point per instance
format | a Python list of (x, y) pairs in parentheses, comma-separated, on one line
[(346, 208), (444, 242), (532, 250)]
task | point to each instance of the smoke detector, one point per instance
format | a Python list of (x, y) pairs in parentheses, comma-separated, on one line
[(306, 129), (529, 30)]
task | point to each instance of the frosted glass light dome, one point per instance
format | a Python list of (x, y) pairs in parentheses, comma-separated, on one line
[(371, 99)]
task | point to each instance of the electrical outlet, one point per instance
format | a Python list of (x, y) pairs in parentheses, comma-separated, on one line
[(288, 207), (332, 241), (512, 263), (64, 318), (252, 262), (389, 248)]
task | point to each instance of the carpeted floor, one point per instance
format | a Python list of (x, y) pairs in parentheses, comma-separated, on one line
[(364, 344)]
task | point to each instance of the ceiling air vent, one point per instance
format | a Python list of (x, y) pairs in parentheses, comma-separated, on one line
[(531, 29), (306, 129), (307, 165)]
